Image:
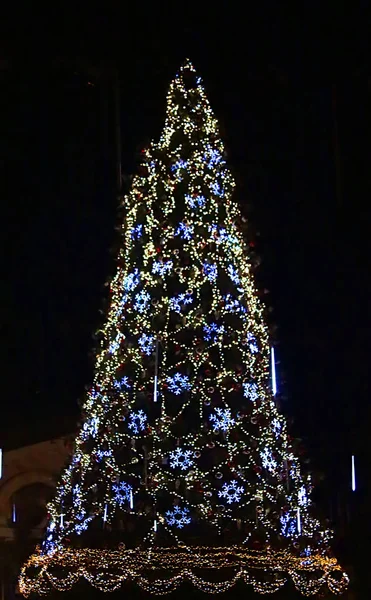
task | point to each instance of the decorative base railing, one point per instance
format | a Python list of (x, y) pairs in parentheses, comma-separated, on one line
[(162, 570)]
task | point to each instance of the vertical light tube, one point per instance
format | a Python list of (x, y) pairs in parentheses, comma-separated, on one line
[(131, 499), (353, 474), (298, 519), (273, 370)]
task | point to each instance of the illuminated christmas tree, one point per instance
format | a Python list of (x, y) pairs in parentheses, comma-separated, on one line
[(183, 468)]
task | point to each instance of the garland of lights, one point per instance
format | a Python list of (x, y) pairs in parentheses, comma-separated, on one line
[(180, 430), (139, 566)]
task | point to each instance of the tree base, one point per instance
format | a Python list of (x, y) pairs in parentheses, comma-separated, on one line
[(163, 570)]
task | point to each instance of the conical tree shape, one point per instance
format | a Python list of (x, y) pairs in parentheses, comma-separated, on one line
[(182, 446)]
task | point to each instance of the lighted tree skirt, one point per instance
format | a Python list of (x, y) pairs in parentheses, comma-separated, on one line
[(183, 464)]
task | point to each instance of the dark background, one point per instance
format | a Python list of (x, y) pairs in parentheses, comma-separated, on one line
[(293, 98)]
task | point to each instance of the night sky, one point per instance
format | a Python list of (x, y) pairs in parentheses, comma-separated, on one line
[(293, 100)]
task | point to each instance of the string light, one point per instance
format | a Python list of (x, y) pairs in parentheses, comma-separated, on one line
[(181, 414)]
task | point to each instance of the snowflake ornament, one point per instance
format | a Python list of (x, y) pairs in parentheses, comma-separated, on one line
[(116, 343), (136, 232), (233, 274), (276, 427), (222, 420), (123, 383), (217, 189), (231, 492), (141, 301), (250, 391), (101, 454), (185, 231), (181, 458), (220, 235), (212, 332), (137, 421), (178, 302), (89, 429), (131, 281), (178, 517), (123, 492), (253, 345), (180, 164), (178, 383), (195, 201), (146, 343), (288, 525), (303, 496), (213, 157), (211, 271), (162, 268), (268, 461), (80, 527), (232, 305)]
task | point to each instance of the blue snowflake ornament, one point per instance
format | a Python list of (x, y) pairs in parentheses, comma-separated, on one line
[(303, 496), (146, 343), (185, 231), (222, 420), (178, 302), (122, 383), (142, 301), (252, 343), (288, 525), (195, 201), (137, 232), (212, 332), (178, 517), (211, 271), (137, 421), (178, 383), (276, 427), (250, 391), (162, 268), (123, 492), (268, 462), (181, 458), (131, 281), (232, 305), (231, 492), (180, 164), (233, 274)]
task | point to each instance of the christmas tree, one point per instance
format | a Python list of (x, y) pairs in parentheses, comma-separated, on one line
[(183, 468)]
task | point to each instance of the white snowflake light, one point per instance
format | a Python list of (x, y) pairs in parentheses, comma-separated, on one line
[(131, 281), (288, 525), (195, 201), (141, 301), (212, 332), (233, 305), (123, 492), (123, 383), (251, 340), (178, 517), (89, 429), (233, 274), (178, 302), (115, 345), (302, 496), (211, 271), (185, 231), (178, 383), (146, 343), (162, 268), (276, 427), (250, 391), (222, 420), (136, 232), (137, 421), (181, 458), (231, 492), (268, 461)]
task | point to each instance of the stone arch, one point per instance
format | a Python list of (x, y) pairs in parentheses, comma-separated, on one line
[(19, 481)]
